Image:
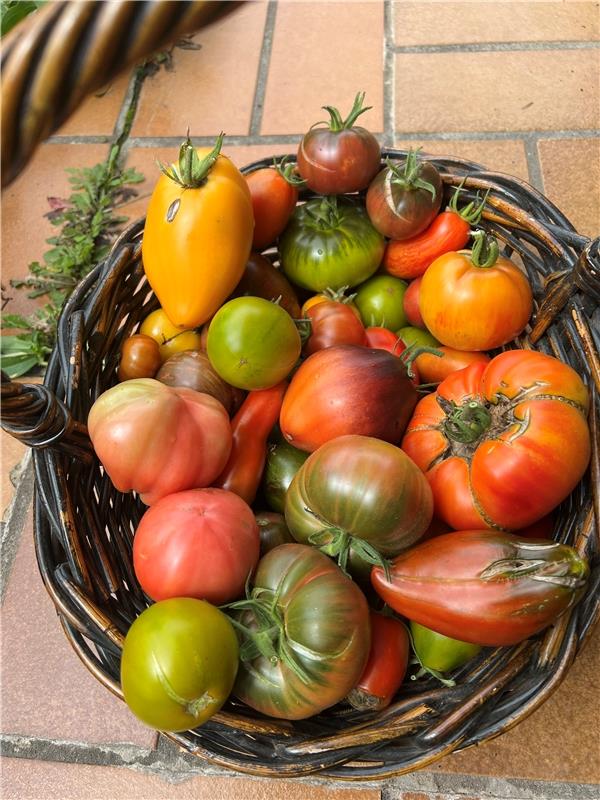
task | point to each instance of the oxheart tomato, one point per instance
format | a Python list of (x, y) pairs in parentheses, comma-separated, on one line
[(386, 666), (198, 234), (330, 243), (274, 193), (179, 662), (358, 499), (332, 323), (200, 543), (252, 343), (475, 300), (483, 587), (305, 634), (343, 157), (156, 440), (347, 390), (502, 443), (404, 198)]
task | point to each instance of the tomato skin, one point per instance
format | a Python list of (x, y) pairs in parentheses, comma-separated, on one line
[(411, 304), (474, 308), (434, 369), (283, 462), (252, 343), (410, 258), (438, 652), (384, 339), (322, 618), (170, 338), (200, 543), (193, 369), (330, 243), (366, 489), (272, 531), (347, 390), (386, 667), (399, 212), (473, 586), (262, 279), (521, 463), (188, 646), (338, 162), (380, 302), (194, 261), (156, 440), (417, 336), (140, 358), (250, 428), (273, 200), (333, 323)]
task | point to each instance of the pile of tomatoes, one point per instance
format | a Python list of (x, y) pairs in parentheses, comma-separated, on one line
[(338, 473)]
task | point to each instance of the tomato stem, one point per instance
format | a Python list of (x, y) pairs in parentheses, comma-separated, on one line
[(412, 352), (468, 422), (191, 173), (289, 171), (409, 178), (336, 123), (485, 251), (337, 543), (472, 212)]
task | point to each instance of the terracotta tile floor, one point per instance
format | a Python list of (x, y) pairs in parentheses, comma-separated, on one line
[(513, 85)]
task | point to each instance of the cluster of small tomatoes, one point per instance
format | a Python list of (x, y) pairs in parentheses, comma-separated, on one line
[(334, 465)]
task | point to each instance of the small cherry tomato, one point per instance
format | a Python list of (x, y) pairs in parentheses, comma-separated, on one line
[(386, 667), (140, 358), (411, 304), (274, 193), (170, 338), (338, 295), (380, 302), (272, 531), (333, 323)]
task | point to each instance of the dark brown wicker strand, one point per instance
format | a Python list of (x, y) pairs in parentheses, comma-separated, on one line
[(68, 49), (84, 527)]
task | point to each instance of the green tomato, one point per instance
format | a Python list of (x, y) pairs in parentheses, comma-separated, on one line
[(416, 336), (283, 462), (179, 663), (440, 653), (330, 242), (252, 343), (380, 301)]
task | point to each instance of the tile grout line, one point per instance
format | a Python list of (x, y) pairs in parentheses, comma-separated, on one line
[(494, 47), (258, 102), (389, 66)]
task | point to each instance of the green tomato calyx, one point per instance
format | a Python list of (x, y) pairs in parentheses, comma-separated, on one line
[(338, 543), (472, 212), (336, 123), (485, 250), (409, 177), (192, 172), (324, 213), (288, 171), (467, 423)]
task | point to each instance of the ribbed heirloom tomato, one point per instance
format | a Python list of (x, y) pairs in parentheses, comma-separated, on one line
[(502, 443)]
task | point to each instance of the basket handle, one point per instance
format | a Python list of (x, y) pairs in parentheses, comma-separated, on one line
[(36, 417), (68, 49)]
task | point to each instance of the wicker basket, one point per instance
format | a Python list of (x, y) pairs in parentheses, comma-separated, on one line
[(84, 527)]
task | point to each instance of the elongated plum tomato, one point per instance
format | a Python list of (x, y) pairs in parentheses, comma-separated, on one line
[(410, 303), (341, 157), (198, 234), (274, 192), (307, 634), (475, 300), (435, 368), (200, 543), (502, 443), (252, 343), (155, 440), (347, 389), (439, 653), (403, 199), (179, 662), (483, 587)]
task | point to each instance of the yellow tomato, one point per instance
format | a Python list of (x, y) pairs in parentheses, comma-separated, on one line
[(170, 338), (198, 234)]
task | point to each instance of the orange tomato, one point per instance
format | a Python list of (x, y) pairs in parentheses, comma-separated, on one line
[(434, 369)]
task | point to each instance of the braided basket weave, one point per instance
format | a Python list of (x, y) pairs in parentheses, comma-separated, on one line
[(84, 527)]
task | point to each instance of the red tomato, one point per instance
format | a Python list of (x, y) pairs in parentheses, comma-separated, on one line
[(202, 543), (411, 304), (434, 369), (470, 302), (250, 428), (156, 440), (386, 667), (502, 443), (342, 157), (274, 193), (333, 323), (384, 339)]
